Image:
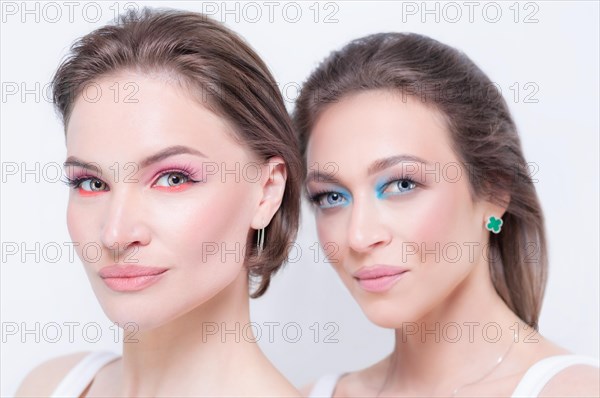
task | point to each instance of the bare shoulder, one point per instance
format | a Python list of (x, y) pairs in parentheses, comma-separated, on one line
[(306, 390), (44, 378), (574, 381), (262, 379), (362, 383), (347, 382)]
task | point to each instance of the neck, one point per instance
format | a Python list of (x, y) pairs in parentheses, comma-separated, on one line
[(187, 353), (456, 343)]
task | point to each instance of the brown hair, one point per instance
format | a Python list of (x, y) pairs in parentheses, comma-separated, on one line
[(484, 137), (224, 73)]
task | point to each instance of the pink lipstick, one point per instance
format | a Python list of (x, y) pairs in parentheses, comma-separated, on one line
[(378, 278), (130, 278)]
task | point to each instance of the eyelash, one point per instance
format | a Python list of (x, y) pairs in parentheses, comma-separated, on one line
[(396, 179), (187, 171), (316, 197)]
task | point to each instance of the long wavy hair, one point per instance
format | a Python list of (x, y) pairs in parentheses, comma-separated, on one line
[(484, 137)]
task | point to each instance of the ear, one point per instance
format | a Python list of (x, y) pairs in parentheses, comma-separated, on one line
[(491, 208), (273, 179)]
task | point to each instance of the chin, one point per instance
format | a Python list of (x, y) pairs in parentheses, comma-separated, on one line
[(135, 311), (134, 317), (388, 313)]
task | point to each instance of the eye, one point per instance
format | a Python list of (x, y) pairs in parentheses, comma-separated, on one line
[(398, 186), (325, 200), (172, 179), (87, 184)]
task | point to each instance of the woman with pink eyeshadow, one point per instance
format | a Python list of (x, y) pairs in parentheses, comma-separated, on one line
[(180, 235), (436, 223)]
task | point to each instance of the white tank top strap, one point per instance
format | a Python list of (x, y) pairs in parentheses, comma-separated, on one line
[(540, 373), (325, 386), (82, 374)]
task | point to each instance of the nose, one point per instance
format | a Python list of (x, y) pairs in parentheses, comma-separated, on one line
[(367, 229), (124, 228)]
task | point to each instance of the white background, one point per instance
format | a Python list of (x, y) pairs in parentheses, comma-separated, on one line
[(558, 54)]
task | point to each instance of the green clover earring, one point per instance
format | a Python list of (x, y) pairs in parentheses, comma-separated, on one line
[(494, 224)]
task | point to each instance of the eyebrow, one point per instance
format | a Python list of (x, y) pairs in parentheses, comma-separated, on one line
[(322, 176), (385, 163), (157, 157), (375, 167)]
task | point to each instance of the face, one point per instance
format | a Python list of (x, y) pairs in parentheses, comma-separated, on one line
[(392, 204), (175, 193)]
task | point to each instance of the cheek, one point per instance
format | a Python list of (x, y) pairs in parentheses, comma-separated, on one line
[(72, 224), (331, 239), (443, 232), (442, 216), (206, 227), (80, 224), (434, 221)]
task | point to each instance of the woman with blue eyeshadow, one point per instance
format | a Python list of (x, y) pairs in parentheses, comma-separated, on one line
[(437, 224)]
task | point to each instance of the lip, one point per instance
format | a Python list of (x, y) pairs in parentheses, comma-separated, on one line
[(129, 278), (379, 278)]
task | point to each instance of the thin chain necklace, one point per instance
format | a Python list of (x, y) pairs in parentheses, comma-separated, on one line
[(498, 362)]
